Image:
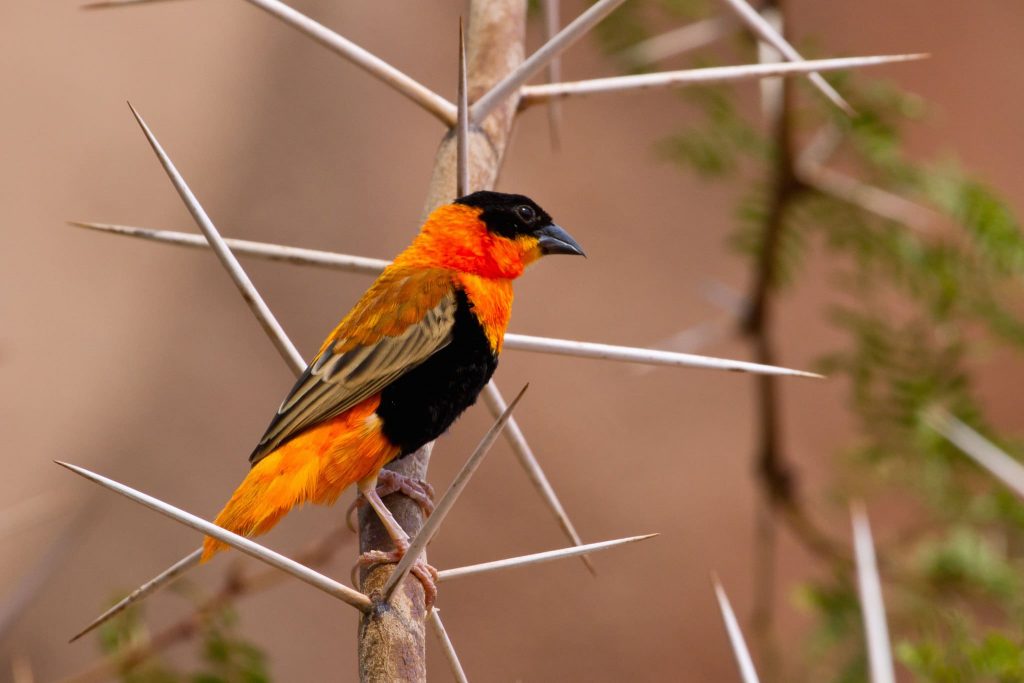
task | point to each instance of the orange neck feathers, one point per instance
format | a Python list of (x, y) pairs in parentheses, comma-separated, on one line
[(455, 238)]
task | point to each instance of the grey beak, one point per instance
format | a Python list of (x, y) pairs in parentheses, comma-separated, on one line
[(554, 240)]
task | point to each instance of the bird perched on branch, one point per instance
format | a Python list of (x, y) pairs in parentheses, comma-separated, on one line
[(407, 360)]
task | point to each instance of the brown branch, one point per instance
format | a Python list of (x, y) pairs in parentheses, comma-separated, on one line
[(236, 585), (392, 643), (775, 476)]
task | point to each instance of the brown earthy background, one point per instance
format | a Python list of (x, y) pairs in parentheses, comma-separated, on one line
[(141, 362)]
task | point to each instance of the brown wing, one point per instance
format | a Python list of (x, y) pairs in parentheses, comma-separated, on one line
[(403, 319)]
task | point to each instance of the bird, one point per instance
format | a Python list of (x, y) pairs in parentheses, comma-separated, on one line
[(406, 361)]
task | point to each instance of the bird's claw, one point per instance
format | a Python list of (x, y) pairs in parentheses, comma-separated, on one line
[(424, 573), (388, 482)]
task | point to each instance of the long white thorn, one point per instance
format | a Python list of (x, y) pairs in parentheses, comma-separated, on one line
[(629, 354), (160, 580), (365, 60), (245, 545), (875, 200), (263, 250), (542, 57), (446, 646), (458, 485), (552, 21), (462, 127), (536, 558), (238, 275), (763, 28), (677, 41), (495, 402), (732, 627), (872, 606), (538, 94), (998, 462), (521, 342)]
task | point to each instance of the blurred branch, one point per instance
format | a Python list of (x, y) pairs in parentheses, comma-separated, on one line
[(768, 33), (875, 200), (110, 4), (781, 501), (677, 41), (28, 512), (39, 574), (236, 585), (872, 606), (21, 669), (995, 460), (812, 172), (536, 94), (167, 576)]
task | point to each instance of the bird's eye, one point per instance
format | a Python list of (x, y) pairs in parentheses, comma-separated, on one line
[(526, 213)]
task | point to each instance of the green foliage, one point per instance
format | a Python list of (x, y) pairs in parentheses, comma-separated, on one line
[(957, 656), (717, 149), (918, 306), (225, 656)]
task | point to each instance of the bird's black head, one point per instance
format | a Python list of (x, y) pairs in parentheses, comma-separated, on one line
[(515, 216)]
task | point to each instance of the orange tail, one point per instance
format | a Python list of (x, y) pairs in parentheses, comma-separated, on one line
[(314, 467)]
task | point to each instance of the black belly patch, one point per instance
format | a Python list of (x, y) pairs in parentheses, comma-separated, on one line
[(421, 404)]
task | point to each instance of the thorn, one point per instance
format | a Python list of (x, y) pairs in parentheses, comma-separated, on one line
[(462, 127), (441, 510), (245, 545)]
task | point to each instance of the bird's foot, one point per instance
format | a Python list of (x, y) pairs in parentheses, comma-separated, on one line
[(424, 573), (388, 482)]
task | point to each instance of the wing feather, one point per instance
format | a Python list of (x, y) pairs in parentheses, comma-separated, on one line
[(399, 323)]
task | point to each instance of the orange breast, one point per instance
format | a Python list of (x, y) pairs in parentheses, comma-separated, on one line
[(492, 303)]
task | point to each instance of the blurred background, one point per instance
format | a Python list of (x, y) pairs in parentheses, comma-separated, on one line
[(141, 362)]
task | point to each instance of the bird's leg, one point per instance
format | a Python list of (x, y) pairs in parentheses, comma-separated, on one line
[(388, 482), (426, 574)]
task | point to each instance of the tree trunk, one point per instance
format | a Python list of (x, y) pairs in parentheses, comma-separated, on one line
[(392, 645)]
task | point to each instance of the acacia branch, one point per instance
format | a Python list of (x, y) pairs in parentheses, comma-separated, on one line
[(502, 91), (536, 94), (236, 585), (399, 81), (512, 341), (768, 33), (245, 286), (365, 60), (392, 642), (240, 543), (444, 506), (781, 501)]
